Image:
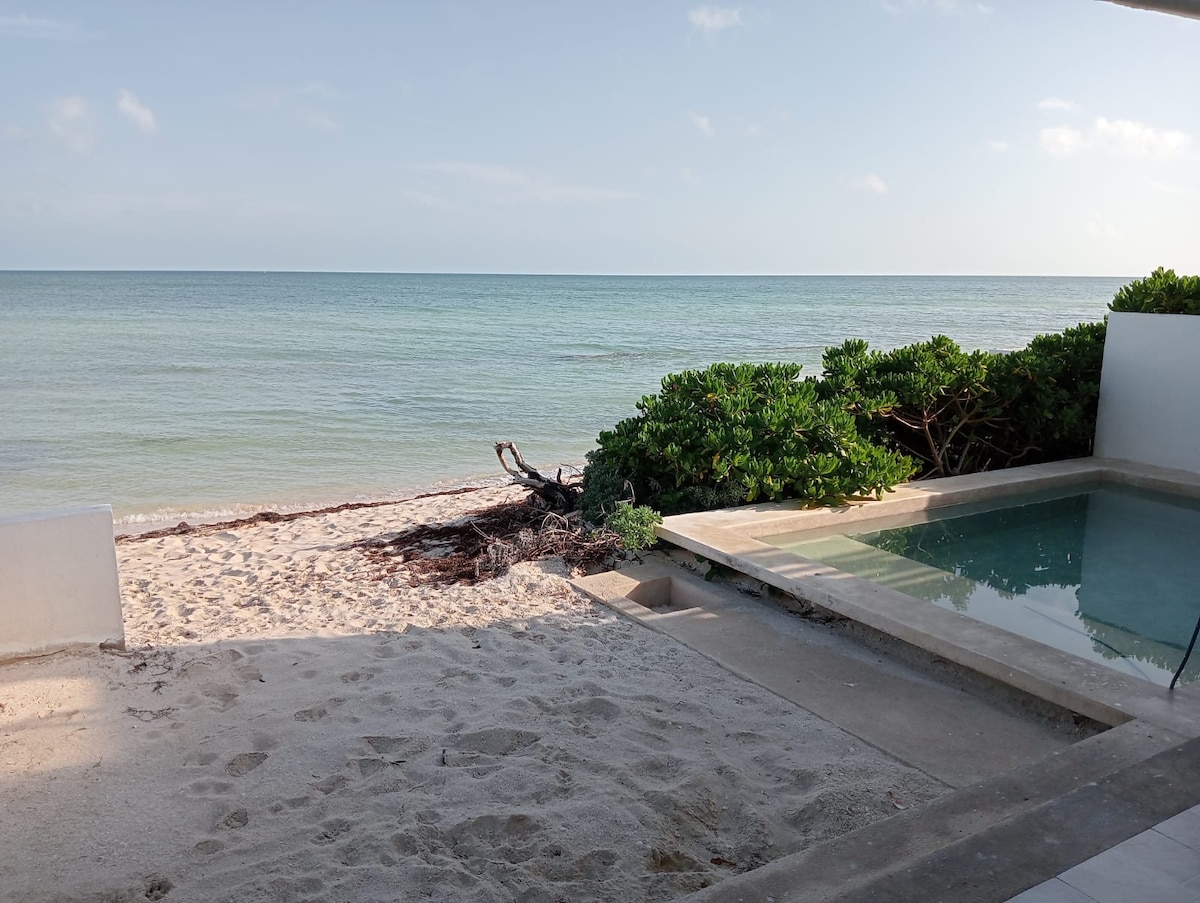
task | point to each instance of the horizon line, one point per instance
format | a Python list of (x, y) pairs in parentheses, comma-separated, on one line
[(673, 275)]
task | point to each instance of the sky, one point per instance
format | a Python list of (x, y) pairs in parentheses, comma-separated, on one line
[(1006, 137)]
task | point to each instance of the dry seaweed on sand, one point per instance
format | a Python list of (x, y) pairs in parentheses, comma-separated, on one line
[(484, 544)]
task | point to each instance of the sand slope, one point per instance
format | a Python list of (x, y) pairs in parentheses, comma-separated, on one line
[(286, 730)]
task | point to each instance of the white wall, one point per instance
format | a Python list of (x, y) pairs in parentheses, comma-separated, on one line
[(1150, 391), (58, 581)]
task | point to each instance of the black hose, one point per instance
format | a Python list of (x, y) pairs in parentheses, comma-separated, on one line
[(1186, 655)]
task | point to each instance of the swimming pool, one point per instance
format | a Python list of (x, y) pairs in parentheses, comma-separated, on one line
[(1100, 656), (1106, 572)]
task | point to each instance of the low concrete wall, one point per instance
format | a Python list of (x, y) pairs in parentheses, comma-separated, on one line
[(1149, 390), (58, 581)]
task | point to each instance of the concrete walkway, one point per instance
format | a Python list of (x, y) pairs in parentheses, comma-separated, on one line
[(1161, 865)]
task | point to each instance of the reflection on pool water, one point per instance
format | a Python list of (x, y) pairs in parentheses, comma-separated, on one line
[(1109, 573)]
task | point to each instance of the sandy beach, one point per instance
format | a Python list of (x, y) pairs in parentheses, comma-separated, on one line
[(290, 723)]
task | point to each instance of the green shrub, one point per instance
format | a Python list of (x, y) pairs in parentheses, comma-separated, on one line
[(603, 487), (736, 433), (635, 525), (1162, 292), (930, 400), (1050, 390), (743, 432), (959, 412)]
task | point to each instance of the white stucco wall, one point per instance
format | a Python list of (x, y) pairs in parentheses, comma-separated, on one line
[(58, 581), (1150, 391)]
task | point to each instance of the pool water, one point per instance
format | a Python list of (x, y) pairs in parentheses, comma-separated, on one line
[(1108, 573)]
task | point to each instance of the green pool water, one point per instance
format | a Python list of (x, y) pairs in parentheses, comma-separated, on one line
[(1108, 573)]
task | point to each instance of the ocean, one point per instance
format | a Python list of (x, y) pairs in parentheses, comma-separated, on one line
[(176, 395)]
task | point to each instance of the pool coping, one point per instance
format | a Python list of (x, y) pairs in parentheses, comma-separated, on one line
[(731, 537)]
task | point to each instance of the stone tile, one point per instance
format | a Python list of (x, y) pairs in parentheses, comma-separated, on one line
[(1112, 877), (1184, 827), (1163, 854), (1052, 891)]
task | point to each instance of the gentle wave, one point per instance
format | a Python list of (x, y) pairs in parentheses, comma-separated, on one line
[(176, 396)]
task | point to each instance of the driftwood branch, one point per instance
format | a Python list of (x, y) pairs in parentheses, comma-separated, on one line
[(558, 495)]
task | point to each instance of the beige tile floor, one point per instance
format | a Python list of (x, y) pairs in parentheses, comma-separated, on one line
[(1161, 865)]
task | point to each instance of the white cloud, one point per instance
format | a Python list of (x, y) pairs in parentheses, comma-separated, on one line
[(712, 20), (1167, 187), (1055, 103), (1136, 139), (704, 124), (137, 112), (869, 182), (510, 186), (427, 201), (70, 124), (305, 104), (25, 26), (1061, 141), (997, 147), (1122, 137), (946, 7), (1100, 226)]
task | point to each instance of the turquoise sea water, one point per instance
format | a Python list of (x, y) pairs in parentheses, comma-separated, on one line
[(171, 395)]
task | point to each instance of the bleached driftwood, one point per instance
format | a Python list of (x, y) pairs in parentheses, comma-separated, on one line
[(557, 494)]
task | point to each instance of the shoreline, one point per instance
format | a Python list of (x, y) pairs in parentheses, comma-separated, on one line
[(124, 527)]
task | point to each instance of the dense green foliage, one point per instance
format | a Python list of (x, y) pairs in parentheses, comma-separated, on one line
[(958, 412), (634, 524), (1162, 292), (738, 433), (931, 400), (1050, 390), (603, 487)]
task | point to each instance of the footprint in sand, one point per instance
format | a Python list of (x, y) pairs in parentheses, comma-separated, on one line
[(331, 784), (222, 694), (332, 830), (497, 741), (398, 748), (238, 818), (155, 887), (244, 763), (317, 712), (208, 847)]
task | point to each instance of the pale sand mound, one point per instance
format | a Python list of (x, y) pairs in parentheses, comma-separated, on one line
[(285, 730)]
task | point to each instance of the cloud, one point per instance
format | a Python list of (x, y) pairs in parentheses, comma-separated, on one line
[(70, 125), (1136, 139), (1100, 226), (25, 26), (137, 112), (510, 186), (997, 147), (1167, 187), (427, 201), (1122, 137), (704, 124), (712, 20), (305, 104), (871, 183), (946, 7), (1061, 141), (1056, 103)]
